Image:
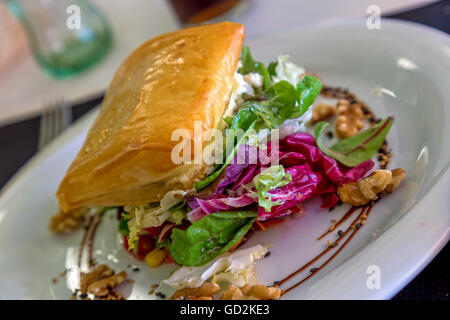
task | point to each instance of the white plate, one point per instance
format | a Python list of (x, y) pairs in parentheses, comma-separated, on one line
[(404, 232)]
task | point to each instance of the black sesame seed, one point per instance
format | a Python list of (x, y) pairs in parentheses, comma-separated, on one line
[(267, 254), (331, 209), (358, 225), (160, 295), (334, 244), (340, 233), (136, 269), (276, 283), (313, 270)]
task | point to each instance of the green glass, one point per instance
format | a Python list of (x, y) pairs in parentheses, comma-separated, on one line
[(62, 47)]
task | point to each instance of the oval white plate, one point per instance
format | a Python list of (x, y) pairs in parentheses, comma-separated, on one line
[(404, 232)]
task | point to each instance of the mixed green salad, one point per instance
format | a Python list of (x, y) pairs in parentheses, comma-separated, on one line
[(195, 228)]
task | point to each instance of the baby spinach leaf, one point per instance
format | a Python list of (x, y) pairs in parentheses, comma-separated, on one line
[(277, 105), (251, 65), (307, 91), (238, 235), (207, 238), (354, 150), (271, 68)]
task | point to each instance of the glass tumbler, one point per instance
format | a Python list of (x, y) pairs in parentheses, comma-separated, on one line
[(65, 36)]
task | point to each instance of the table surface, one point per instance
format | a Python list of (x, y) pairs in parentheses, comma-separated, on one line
[(18, 143)]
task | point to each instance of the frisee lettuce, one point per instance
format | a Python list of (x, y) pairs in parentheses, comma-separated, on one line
[(283, 69), (269, 179), (170, 208)]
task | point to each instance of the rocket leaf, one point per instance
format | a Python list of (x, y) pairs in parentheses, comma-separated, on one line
[(354, 150)]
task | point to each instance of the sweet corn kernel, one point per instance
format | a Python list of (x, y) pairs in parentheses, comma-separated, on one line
[(155, 257)]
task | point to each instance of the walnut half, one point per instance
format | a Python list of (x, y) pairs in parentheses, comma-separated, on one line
[(349, 120), (397, 176), (322, 112), (101, 282), (102, 271), (255, 292), (103, 287), (367, 189)]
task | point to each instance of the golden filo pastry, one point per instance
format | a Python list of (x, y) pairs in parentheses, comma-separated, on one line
[(167, 83)]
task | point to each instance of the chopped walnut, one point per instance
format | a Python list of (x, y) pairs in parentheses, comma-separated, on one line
[(255, 292), (207, 289), (349, 120), (322, 112), (376, 182), (101, 272), (103, 287), (232, 293), (367, 189), (398, 175), (65, 222)]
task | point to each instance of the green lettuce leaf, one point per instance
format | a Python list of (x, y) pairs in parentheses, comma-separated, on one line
[(269, 179), (207, 238), (354, 150), (123, 226)]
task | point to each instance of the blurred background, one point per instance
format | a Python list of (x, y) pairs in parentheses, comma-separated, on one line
[(57, 57)]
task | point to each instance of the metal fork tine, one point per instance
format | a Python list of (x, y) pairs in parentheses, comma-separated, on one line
[(51, 124), (57, 120), (43, 128), (54, 119)]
